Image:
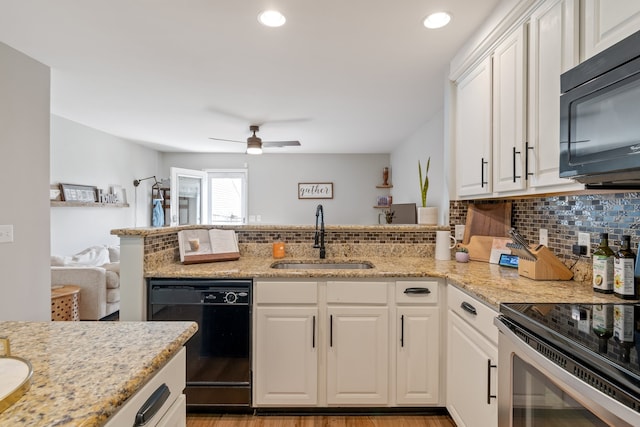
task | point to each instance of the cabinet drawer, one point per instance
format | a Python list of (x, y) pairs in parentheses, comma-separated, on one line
[(173, 375), (286, 292), (476, 313), (357, 292), (417, 292)]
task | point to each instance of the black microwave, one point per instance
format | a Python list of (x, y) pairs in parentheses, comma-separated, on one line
[(600, 118)]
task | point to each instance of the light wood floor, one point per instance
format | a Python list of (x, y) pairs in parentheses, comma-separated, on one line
[(227, 420)]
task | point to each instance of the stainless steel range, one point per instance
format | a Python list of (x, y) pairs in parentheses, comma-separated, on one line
[(569, 364)]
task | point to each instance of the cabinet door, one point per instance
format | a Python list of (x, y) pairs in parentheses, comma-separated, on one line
[(553, 49), (509, 112), (418, 349), (357, 355), (607, 22), (473, 131), (286, 354), (471, 375)]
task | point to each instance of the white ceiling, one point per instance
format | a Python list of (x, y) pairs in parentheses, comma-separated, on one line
[(342, 76)]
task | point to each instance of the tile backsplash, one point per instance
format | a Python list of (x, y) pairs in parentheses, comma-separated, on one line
[(564, 216)]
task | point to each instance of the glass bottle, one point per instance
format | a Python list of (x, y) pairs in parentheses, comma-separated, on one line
[(603, 266), (602, 325), (623, 271), (623, 329)]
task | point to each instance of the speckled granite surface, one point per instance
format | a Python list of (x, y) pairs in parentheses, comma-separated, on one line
[(489, 282), (84, 371)]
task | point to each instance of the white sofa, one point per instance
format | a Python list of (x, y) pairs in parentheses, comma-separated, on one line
[(96, 271)]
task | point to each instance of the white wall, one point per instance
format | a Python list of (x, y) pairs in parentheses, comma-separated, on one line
[(427, 141), (25, 284), (86, 156), (274, 178)]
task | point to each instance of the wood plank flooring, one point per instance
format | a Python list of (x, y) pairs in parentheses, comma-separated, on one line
[(230, 420)]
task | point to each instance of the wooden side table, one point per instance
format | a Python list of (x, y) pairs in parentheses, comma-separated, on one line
[(64, 302)]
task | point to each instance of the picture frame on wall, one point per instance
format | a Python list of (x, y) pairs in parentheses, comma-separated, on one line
[(315, 190), (78, 193)]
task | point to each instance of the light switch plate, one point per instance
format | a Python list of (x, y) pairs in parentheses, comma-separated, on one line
[(6, 233), (459, 231)]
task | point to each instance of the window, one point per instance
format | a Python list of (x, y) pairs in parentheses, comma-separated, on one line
[(228, 196)]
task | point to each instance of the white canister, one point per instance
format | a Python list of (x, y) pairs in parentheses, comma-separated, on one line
[(444, 243)]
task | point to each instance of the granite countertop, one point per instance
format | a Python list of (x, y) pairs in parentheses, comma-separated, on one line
[(84, 371), (488, 282)]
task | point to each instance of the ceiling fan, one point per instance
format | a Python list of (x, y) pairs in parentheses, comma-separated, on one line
[(255, 144)]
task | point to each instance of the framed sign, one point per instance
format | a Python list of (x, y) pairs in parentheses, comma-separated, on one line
[(78, 193), (315, 190)]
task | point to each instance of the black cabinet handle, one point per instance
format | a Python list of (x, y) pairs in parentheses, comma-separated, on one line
[(402, 331), (417, 291), (313, 334), (527, 174), (489, 395), (482, 181), (468, 308), (152, 405), (331, 331), (514, 164)]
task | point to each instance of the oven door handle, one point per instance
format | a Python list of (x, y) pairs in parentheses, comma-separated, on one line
[(604, 407)]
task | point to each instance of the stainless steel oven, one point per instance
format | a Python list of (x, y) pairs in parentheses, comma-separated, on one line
[(564, 364)]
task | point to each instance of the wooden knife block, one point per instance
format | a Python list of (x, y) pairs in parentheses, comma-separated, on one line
[(546, 267)]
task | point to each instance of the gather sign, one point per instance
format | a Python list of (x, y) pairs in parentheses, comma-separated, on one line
[(315, 190)]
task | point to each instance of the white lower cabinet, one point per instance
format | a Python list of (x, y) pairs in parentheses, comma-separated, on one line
[(358, 356), (472, 356), (347, 343), (286, 366)]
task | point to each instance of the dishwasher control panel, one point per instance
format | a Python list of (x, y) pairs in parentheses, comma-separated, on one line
[(225, 296)]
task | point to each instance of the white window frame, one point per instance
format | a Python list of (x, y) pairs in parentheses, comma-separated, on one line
[(242, 173)]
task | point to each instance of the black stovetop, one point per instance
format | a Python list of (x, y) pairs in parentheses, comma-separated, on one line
[(606, 336)]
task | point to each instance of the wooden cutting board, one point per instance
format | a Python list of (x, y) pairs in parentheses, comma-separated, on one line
[(492, 219), (479, 247)]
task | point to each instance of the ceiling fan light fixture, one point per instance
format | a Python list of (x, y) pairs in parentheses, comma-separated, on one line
[(437, 20), (271, 18), (254, 147)]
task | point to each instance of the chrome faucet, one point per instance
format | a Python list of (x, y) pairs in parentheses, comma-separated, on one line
[(318, 239)]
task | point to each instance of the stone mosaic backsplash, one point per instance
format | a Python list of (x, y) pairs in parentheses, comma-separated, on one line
[(564, 216)]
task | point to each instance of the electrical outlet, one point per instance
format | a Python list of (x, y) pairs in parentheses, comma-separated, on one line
[(6, 233), (544, 237), (459, 231), (584, 239)]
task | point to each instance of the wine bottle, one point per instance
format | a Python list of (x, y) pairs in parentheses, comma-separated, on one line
[(603, 266), (623, 271)]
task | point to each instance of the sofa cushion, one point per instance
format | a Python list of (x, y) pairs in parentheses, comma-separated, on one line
[(113, 295), (114, 253), (94, 256), (113, 280)]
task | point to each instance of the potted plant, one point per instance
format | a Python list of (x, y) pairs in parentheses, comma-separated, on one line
[(462, 254), (426, 215)]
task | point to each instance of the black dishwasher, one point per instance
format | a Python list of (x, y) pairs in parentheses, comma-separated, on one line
[(219, 354)]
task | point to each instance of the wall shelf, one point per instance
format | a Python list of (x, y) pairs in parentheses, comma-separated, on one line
[(382, 207), (384, 186), (60, 204)]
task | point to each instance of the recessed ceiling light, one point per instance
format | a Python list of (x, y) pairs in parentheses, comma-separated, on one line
[(437, 20), (272, 18)]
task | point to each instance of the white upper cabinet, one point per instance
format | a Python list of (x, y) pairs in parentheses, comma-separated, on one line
[(553, 49), (473, 131), (509, 112), (606, 22)]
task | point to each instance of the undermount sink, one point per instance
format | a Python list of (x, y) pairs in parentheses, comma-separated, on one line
[(322, 265)]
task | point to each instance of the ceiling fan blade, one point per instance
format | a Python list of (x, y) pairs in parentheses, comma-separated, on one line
[(280, 143), (228, 140)]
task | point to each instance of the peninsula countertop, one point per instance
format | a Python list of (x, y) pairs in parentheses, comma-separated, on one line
[(488, 282), (83, 372)]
